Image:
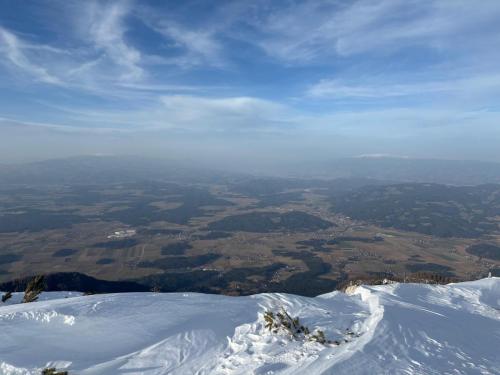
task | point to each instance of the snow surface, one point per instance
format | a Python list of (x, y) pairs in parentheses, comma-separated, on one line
[(398, 329)]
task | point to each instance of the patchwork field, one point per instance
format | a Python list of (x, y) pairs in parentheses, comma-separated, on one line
[(249, 236)]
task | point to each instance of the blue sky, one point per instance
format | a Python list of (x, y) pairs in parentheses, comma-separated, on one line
[(250, 78)]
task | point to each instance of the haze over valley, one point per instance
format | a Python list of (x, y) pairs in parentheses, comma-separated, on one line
[(181, 228)]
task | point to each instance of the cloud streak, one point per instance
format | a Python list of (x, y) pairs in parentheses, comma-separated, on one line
[(334, 88), (15, 51), (107, 31), (313, 30)]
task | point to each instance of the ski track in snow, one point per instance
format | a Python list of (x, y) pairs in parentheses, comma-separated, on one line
[(399, 329)]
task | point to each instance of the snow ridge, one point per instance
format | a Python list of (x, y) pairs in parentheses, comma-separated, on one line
[(394, 329)]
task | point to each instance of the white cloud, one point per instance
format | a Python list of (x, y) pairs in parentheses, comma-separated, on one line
[(15, 51), (183, 113), (337, 89), (233, 115), (97, 57), (186, 113), (104, 62), (225, 113), (51, 127), (313, 30), (191, 45), (107, 31), (201, 46)]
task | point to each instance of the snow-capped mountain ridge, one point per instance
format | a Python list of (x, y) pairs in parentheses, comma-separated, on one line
[(398, 329)]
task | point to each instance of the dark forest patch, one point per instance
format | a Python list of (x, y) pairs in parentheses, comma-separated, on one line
[(307, 283), (279, 199), (242, 274), (259, 187), (439, 210), (210, 281), (485, 250), (213, 235), (155, 232), (313, 243), (192, 203), (34, 220), (340, 239), (74, 281), (117, 244), (430, 267), (105, 261), (10, 258), (180, 262), (82, 195), (64, 252), (191, 281), (177, 248), (265, 222), (144, 213)]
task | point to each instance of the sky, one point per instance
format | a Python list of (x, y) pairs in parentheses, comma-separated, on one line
[(250, 82)]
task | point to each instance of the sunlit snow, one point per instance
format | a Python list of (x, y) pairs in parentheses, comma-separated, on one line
[(399, 329)]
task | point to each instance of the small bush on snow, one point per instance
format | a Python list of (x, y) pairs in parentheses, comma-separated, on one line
[(284, 323), (34, 288), (6, 296), (53, 371)]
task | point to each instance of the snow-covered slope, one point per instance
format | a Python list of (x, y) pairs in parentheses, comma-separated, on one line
[(398, 329)]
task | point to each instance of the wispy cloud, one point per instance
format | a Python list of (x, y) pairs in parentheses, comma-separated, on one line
[(15, 51), (384, 68), (313, 30), (51, 127), (107, 31), (189, 45), (200, 46), (185, 113), (99, 60), (99, 55), (236, 115), (230, 113), (338, 89)]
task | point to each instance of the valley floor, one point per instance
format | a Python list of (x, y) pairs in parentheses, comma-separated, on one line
[(393, 329)]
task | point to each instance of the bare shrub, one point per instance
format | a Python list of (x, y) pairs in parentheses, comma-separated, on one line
[(283, 322), (34, 288), (53, 371), (6, 296)]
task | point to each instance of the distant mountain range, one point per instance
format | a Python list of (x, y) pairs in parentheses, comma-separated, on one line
[(453, 172), (116, 169), (103, 169)]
